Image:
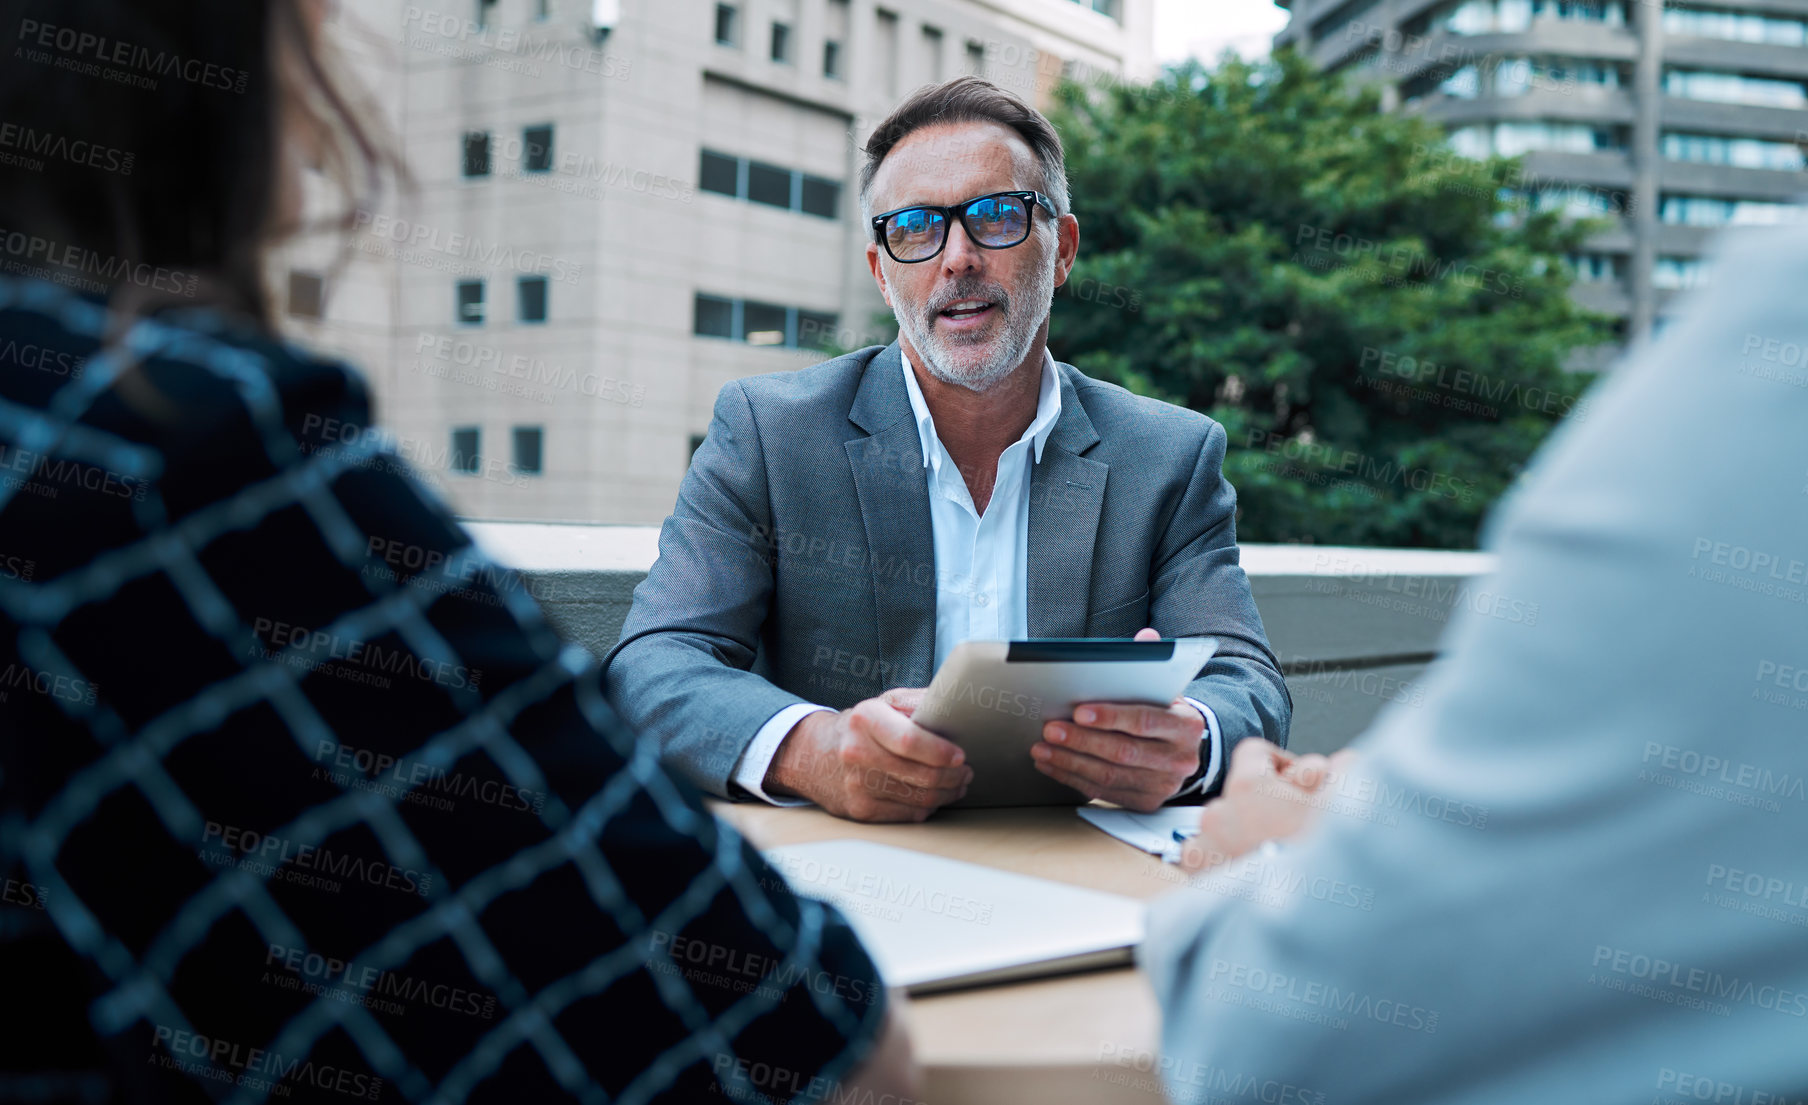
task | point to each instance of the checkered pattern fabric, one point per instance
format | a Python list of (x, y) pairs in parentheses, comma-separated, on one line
[(302, 798)]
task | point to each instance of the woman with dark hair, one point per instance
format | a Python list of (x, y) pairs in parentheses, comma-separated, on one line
[(282, 814)]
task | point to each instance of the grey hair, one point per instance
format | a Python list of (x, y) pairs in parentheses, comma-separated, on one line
[(969, 100)]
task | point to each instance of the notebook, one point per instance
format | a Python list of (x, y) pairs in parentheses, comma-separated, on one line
[(933, 924)]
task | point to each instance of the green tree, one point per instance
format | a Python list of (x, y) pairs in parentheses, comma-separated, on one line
[(1380, 324)]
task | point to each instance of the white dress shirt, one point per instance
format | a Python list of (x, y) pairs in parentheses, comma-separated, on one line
[(981, 567)]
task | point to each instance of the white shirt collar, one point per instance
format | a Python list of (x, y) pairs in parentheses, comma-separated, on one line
[(1048, 411)]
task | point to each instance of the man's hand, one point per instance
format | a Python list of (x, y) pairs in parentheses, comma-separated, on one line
[(1270, 794), (870, 762), (1135, 756)]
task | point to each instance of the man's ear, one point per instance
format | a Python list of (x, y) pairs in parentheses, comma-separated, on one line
[(872, 262), (1067, 247)]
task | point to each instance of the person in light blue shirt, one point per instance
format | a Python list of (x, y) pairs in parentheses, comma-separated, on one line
[(1576, 872)]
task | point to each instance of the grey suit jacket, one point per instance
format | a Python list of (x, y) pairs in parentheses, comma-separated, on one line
[(799, 563), (1575, 872)]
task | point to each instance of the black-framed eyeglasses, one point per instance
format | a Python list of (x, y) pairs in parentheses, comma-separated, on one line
[(996, 221)]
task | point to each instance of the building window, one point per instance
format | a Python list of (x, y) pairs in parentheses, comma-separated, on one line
[(1577, 201), (1481, 17), (727, 30), (485, 9), (976, 59), (1733, 88), (536, 149), (307, 294), (464, 450), (696, 443), (1519, 76), (1744, 153), (1103, 7), (470, 303), (719, 173), (1712, 211), (781, 43), (530, 299), (1678, 273), (1513, 139), (1735, 26), (932, 53), (477, 153), (817, 330), (758, 323), (820, 197), (835, 33), (1598, 268), (888, 51), (771, 185), (542, 10), (764, 324), (768, 184), (529, 442), (715, 317)]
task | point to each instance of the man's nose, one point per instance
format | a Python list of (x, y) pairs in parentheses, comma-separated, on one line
[(961, 254)]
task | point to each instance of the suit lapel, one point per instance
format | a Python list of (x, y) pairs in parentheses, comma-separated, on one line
[(893, 489), (1067, 493)]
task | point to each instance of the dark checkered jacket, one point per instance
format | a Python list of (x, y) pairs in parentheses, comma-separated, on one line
[(301, 797)]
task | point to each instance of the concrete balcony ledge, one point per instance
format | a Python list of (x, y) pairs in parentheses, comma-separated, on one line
[(1354, 627)]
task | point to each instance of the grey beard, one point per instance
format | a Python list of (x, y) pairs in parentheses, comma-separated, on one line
[(1023, 317)]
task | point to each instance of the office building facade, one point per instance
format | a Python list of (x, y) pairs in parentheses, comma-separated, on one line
[(618, 206), (1670, 119)]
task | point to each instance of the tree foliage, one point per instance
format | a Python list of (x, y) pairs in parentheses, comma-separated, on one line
[(1261, 245)]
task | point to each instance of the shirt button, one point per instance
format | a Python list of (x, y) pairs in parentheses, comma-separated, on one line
[(980, 599)]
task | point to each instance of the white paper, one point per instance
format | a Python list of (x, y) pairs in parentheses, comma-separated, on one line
[(1147, 832)]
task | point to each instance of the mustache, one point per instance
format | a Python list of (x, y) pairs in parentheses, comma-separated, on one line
[(967, 288)]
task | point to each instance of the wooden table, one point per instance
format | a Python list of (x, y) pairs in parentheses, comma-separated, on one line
[(1088, 1037)]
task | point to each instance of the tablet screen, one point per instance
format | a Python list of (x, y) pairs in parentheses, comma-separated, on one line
[(1077, 650)]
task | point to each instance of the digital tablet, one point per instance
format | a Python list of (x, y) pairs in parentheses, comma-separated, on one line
[(992, 698)]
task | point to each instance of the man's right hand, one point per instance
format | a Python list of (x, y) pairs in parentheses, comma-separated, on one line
[(869, 762)]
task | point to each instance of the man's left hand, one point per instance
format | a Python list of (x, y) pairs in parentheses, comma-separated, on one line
[(1135, 756)]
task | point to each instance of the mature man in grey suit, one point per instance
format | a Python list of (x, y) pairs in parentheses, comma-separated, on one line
[(1575, 872), (842, 528)]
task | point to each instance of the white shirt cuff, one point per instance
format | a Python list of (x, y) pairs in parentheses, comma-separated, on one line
[(750, 770), (1214, 753)]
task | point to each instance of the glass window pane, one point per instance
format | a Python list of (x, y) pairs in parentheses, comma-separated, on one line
[(307, 294), (531, 296), (718, 173), (725, 24), (529, 442), (536, 149), (714, 317), (831, 59), (821, 197), (477, 153), (464, 450), (470, 303), (781, 43), (769, 184), (817, 330), (764, 323)]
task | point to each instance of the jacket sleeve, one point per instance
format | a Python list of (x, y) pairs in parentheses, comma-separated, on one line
[(681, 672), (1200, 590)]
